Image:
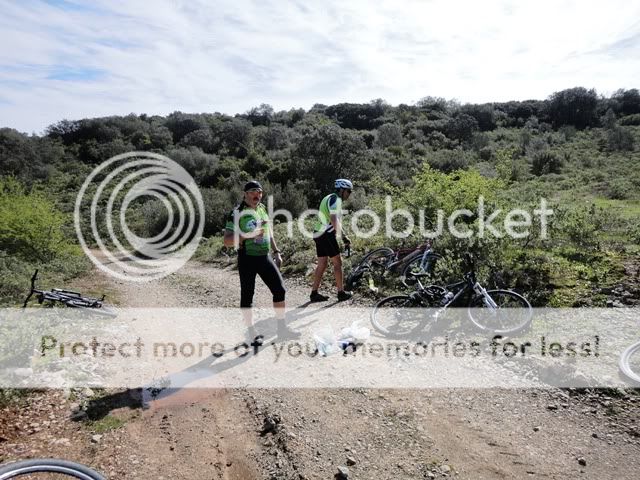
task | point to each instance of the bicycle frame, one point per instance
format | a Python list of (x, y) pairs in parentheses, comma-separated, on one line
[(469, 284), (60, 295), (424, 250)]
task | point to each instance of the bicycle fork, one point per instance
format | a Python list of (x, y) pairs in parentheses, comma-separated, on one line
[(486, 298)]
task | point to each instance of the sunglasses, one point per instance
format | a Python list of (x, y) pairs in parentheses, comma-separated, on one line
[(253, 190)]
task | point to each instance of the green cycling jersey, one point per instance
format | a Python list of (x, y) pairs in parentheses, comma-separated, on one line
[(330, 205), (249, 220)]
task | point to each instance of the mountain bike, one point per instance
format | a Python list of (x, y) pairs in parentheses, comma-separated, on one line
[(499, 312), (376, 264), (70, 299), (48, 465), (629, 364)]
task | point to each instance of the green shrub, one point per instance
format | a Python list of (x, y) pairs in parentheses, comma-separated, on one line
[(486, 153), (568, 132), (620, 139), (630, 120), (619, 189), (543, 162), (32, 226), (33, 236), (449, 160)]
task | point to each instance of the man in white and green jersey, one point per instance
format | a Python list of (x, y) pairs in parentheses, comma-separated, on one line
[(328, 227), (248, 229)]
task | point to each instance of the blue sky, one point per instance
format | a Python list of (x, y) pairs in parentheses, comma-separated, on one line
[(71, 59)]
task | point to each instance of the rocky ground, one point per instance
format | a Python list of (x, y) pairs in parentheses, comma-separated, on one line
[(321, 433)]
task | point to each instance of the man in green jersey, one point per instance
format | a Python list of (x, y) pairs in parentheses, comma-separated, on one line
[(328, 227), (248, 230)]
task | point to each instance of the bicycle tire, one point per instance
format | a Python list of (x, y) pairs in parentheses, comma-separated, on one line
[(400, 320), (375, 262), (413, 267), (514, 313), (629, 360), (102, 309), (48, 465)]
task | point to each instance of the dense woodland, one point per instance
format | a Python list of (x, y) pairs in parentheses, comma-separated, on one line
[(576, 148)]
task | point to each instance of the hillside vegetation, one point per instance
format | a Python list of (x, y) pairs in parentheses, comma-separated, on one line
[(576, 149)]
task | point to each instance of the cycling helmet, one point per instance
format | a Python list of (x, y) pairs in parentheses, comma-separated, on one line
[(344, 183)]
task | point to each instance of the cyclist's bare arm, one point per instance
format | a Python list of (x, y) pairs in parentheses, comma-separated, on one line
[(274, 246), (337, 226), (335, 223)]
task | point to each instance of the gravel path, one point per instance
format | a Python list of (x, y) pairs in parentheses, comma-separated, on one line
[(310, 433)]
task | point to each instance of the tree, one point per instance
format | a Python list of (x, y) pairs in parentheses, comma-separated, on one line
[(261, 115), (628, 101), (437, 104), (202, 138), (389, 135), (356, 115), (461, 127), (484, 115), (271, 138), (326, 153), (518, 112), (575, 106), (201, 166), (236, 137), (180, 124)]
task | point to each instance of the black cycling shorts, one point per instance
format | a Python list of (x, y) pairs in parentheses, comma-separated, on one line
[(248, 267), (327, 245)]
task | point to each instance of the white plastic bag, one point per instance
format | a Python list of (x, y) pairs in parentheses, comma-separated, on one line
[(325, 341), (355, 332)]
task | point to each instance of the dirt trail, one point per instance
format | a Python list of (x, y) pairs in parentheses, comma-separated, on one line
[(381, 434)]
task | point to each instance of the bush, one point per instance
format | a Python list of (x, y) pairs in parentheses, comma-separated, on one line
[(438, 140), (568, 132), (544, 162), (389, 135), (486, 153), (630, 120), (32, 226), (509, 167), (449, 160), (619, 190), (620, 139)]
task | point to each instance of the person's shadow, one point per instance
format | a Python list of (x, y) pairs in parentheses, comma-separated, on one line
[(171, 385)]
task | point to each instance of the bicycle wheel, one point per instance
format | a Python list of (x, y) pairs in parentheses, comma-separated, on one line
[(513, 313), (374, 263), (48, 465), (630, 364), (93, 308), (415, 266), (397, 316)]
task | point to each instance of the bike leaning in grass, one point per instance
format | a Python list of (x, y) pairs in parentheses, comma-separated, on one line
[(407, 261), (498, 312)]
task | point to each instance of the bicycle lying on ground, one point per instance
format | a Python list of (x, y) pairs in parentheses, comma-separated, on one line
[(498, 312), (48, 465), (629, 364), (405, 261), (70, 299)]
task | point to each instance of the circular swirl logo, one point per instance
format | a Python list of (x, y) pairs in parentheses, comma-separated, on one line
[(128, 183)]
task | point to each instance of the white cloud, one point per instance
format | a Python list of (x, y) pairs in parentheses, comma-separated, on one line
[(229, 56)]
